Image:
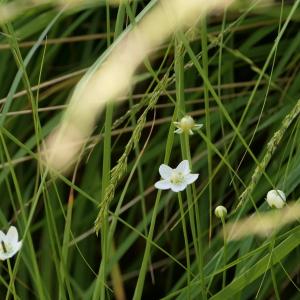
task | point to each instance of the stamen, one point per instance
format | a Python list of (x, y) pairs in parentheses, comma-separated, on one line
[(176, 178)]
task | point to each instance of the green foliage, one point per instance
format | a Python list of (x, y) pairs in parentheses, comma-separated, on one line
[(237, 73)]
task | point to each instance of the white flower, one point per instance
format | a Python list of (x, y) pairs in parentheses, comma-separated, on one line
[(221, 212), (276, 198), (175, 179), (9, 244), (187, 125)]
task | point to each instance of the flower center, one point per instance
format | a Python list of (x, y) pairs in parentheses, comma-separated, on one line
[(177, 178), (5, 247)]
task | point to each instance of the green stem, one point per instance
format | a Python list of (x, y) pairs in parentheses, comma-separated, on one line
[(195, 212), (207, 117), (191, 211), (186, 242), (141, 279), (224, 254), (184, 140)]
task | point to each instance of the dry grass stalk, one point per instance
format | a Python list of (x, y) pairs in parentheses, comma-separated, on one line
[(262, 224), (113, 78)]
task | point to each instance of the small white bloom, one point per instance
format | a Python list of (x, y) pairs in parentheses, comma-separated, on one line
[(221, 212), (9, 244), (175, 179), (187, 125), (276, 198)]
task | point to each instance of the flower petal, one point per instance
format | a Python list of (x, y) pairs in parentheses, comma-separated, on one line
[(2, 236), (184, 167), (12, 235), (165, 171), (18, 246), (178, 187), (163, 185), (190, 178)]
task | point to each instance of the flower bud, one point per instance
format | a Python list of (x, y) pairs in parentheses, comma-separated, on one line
[(276, 198), (187, 125), (221, 212)]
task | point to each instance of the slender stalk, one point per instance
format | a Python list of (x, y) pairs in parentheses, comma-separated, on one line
[(224, 254), (207, 118), (195, 213), (184, 141), (186, 242), (141, 279)]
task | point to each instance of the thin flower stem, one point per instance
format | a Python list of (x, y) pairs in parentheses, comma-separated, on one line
[(198, 241), (187, 155), (193, 210), (224, 254), (186, 242), (207, 118)]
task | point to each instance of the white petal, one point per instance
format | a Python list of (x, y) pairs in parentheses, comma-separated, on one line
[(276, 198), (190, 178), (276, 203), (178, 187), (163, 185), (18, 246), (191, 132), (165, 171), (2, 236), (12, 235), (184, 167), (198, 126), (178, 131)]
